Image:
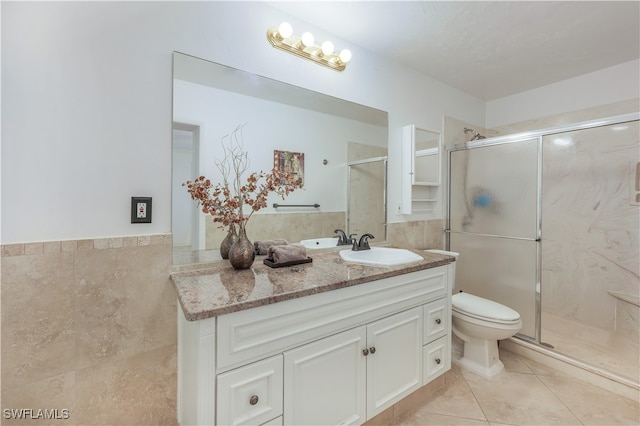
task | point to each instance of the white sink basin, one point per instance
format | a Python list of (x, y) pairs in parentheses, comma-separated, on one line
[(381, 256), (318, 243)]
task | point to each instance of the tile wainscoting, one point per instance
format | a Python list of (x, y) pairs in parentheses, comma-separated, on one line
[(89, 326), (89, 330)]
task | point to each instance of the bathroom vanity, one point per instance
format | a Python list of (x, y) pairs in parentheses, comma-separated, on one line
[(327, 342)]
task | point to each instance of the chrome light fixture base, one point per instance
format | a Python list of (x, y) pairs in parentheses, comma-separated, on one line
[(294, 45)]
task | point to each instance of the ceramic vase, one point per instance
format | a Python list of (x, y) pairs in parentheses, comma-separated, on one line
[(225, 245), (242, 252)]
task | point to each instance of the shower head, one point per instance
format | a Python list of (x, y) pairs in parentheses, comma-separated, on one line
[(476, 135)]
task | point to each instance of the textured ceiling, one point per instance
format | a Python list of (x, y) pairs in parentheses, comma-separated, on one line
[(487, 49)]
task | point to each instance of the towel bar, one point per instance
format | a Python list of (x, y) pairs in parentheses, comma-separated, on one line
[(276, 205)]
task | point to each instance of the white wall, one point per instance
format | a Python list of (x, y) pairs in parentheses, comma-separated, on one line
[(86, 104), (606, 86)]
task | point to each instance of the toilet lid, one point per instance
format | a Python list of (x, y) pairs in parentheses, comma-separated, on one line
[(482, 308)]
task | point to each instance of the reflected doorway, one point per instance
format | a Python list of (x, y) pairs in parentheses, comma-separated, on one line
[(185, 218)]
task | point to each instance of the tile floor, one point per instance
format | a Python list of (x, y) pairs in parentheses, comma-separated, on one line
[(525, 393)]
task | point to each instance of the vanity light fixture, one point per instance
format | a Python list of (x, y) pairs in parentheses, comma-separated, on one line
[(305, 47)]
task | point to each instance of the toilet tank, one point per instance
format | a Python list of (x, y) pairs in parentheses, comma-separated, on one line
[(448, 253)]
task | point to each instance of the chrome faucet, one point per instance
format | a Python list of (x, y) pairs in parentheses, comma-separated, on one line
[(343, 240), (363, 244)]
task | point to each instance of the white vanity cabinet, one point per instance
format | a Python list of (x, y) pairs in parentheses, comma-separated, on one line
[(337, 357)]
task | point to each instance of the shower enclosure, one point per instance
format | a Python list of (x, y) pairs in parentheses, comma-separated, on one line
[(547, 223)]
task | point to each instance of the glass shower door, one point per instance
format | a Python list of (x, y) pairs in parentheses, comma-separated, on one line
[(494, 224)]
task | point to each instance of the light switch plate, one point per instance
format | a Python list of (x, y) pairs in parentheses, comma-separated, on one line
[(140, 209)]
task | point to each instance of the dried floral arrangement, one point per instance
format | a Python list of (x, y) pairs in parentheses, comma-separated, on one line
[(225, 201)]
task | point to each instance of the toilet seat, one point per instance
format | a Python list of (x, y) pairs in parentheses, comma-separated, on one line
[(483, 309)]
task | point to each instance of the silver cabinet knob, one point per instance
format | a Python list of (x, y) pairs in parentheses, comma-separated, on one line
[(253, 400), (372, 349), (437, 360), (365, 352), (438, 320)]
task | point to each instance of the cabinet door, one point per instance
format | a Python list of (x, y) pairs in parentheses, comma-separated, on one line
[(251, 394), (324, 381), (394, 363)]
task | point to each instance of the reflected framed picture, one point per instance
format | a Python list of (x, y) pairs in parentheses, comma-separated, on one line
[(290, 162)]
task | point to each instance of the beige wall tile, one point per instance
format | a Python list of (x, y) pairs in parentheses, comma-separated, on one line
[(292, 227), (116, 242), (137, 390), (125, 304), (68, 246), (406, 234), (85, 245), (33, 248), (51, 393), (12, 250), (82, 320), (130, 241), (101, 243), (38, 325), (51, 246), (417, 235)]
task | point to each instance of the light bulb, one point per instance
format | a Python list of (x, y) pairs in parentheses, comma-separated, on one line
[(285, 29), (307, 39), (345, 55), (327, 48)]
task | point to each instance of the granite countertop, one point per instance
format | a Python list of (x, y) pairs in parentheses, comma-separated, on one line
[(219, 289)]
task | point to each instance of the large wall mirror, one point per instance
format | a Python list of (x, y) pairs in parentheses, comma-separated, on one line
[(344, 146)]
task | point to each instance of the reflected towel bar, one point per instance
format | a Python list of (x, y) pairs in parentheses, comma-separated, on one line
[(276, 205)]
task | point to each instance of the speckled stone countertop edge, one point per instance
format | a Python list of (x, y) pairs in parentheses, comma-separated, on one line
[(202, 300)]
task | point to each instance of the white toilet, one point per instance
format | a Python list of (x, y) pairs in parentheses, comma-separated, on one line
[(480, 323)]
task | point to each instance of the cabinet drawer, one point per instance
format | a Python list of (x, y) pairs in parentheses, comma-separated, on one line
[(436, 320), (251, 394), (436, 359)]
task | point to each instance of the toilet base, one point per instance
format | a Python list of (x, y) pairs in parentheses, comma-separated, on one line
[(474, 367), (480, 356)]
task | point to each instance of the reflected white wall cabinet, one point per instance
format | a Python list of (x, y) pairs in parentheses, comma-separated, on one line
[(421, 159)]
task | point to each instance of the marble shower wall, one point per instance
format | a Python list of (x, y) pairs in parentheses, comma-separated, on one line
[(590, 226), (89, 326)]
